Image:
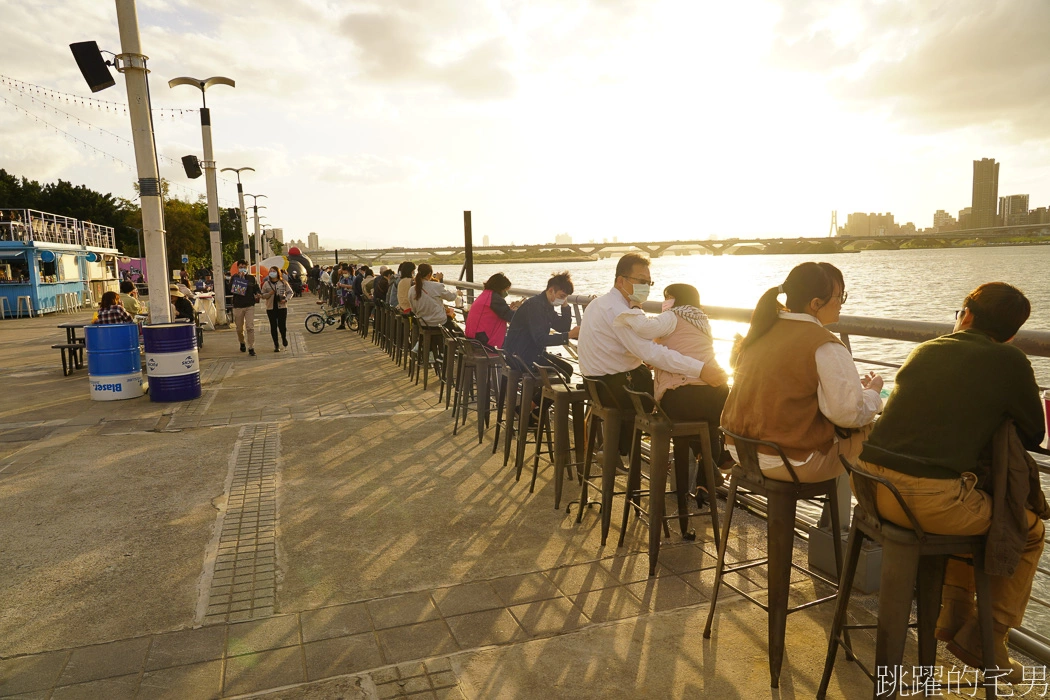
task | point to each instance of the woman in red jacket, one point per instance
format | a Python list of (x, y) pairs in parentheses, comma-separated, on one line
[(489, 315)]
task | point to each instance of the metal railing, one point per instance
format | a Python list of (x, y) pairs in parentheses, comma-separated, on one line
[(1033, 343), (29, 225)]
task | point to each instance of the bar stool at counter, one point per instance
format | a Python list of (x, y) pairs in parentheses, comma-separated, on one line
[(781, 501), (27, 303), (912, 566), (559, 399)]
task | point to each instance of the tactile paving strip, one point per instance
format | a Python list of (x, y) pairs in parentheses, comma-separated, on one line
[(244, 582)]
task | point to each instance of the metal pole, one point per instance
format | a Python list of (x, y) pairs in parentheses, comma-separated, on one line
[(132, 63), (258, 234), (468, 260), (244, 220), (214, 227)]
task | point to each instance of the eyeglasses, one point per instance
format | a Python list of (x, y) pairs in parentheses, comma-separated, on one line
[(640, 280), (959, 313), (843, 297)]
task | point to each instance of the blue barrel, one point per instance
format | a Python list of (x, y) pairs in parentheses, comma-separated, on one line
[(171, 361), (114, 365)]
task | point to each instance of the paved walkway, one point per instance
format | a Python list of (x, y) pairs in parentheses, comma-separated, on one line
[(310, 528)]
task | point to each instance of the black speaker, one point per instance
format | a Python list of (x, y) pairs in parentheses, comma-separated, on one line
[(92, 65), (192, 166)]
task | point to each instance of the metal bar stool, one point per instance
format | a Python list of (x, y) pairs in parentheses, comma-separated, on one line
[(912, 566), (27, 302), (605, 413), (377, 326), (364, 316), (430, 340), (450, 367), (506, 402), (522, 432), (781, 501), (477, 367), (650, 418), (558, 397)]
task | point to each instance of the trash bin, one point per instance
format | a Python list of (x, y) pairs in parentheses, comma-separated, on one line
[(114, 365), (171, 361)]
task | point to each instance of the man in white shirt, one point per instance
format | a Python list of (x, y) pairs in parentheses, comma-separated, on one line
[(615, 353)]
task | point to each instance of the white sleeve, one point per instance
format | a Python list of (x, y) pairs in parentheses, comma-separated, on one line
[(437, 289), (659, 356), (841, 397), (648, 327)]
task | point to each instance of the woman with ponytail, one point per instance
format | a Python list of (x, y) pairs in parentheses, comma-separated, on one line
[(424, 298), (795, 383)]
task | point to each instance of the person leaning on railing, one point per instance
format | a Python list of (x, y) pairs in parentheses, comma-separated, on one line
[(110, 310), (949, 398), (490, 313), (425, 299), (795, 383)]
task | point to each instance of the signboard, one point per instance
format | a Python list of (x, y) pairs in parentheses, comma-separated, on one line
[(185, 259)]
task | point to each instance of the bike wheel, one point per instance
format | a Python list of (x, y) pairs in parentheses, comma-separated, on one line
[(351, 322), (315, 323)]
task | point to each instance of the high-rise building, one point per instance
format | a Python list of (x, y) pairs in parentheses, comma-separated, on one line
[(484, 240), (278, 233), (861, 224), (1039, 215), (943, 221), (311, 241), (564, 239), (984, 205), (1013, 210)]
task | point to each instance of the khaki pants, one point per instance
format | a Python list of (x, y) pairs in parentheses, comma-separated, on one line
[(958, 507), (824, 465), (244, 318)]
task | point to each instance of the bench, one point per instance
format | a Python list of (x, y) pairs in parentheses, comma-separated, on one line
[(72, 356)]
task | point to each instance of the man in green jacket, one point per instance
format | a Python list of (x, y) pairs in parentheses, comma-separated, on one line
[(950, 396)]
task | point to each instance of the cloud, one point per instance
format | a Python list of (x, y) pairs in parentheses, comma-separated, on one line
[(364, 169), (959, 64)]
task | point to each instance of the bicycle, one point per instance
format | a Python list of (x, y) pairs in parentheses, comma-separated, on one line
[(328, 316)]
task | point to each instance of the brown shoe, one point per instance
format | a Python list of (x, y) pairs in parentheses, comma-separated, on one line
[(955, 612), (967, 648)]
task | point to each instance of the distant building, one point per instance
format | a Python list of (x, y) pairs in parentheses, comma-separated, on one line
[(907, 229), (943, 221), (1039, 215), (278, 233), (984, 205), (484, 240), (860, 224), (1013, 210), (966, 218), (563, 239), (311, 242)]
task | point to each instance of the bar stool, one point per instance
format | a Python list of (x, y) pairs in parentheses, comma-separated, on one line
[(478, 366), (5, 309), (913, 565), (75, 301), (650, 419), (364, 316), (450, 366), (404, 335), (557, 396), (529, 383), (60, 304), (27, 302), (506, 403), (430, 339), (781, 501), (377, 326), (605, 413)]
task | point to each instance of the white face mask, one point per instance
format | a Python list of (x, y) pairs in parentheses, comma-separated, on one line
[(273, 275), (641, 293), (558, 301)]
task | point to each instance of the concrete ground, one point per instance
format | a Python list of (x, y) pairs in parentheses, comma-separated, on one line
[(310, 528)]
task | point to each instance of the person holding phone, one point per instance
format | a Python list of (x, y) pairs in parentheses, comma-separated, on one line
[(275, 293)]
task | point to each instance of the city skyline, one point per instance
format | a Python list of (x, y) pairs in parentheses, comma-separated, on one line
[(641, 121)]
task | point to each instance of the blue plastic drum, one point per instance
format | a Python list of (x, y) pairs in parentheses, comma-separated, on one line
[(114, 365), (171, 362)]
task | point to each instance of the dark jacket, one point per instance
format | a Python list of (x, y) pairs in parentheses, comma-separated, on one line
[(248, 287), (529, 334), (184, 309)]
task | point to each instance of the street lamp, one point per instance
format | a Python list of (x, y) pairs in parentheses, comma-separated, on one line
[(255, 210), (208, 164), (244, 218)]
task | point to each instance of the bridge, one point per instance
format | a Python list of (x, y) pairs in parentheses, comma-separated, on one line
[(605, 249)]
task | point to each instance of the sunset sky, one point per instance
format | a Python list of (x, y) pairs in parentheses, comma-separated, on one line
[(377, 123)]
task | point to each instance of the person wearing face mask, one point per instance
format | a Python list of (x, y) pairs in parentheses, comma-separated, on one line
[(529, 334), (245, 290), (490, 313), (615, 353), (683, 326), (276, 292)]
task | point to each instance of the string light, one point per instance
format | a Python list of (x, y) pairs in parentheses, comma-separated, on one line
[(82, 101)]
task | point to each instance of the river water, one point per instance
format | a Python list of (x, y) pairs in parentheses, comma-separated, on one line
[(920, 285)]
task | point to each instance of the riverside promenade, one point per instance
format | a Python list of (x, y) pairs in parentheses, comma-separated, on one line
[(310, 528)]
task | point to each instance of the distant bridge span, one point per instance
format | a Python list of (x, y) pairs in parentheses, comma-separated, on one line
[(658, 248)]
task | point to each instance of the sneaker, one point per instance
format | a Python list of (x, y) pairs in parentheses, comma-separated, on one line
[(955, 612), (251, 351), (242, 347), (967, 648), (276, 349), (284, 341)]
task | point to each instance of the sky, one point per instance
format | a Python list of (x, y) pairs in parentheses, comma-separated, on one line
[(378, 122)]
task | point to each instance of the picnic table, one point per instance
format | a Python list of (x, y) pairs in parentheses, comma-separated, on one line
[(73, 348), (71, 331)]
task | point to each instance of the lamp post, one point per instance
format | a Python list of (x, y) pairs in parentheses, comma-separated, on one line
[(213, 196), (244, 218), (255, 210)]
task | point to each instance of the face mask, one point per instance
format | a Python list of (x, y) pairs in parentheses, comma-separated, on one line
[(504, 293), (641, 293), (558, 301), (273, 275), (667, 305)]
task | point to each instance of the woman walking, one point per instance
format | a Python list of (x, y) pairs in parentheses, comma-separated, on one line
[(275, 293)]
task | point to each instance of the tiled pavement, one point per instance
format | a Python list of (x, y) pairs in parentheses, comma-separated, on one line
[(384, 638)]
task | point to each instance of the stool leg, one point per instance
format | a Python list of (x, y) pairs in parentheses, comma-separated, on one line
[(900, 564), (723, 544), (708, 459), (984, 618), (508, 409), (528, 388), (849, 570), (659, 446), (928, 598), (681, 478), (634, 483), (482, 378), (592, 435), (579, 439), (610, 439), (501, 397), (780, 534), (541, 423), (561, 446)]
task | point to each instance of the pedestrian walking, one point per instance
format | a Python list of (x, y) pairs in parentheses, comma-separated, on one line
[(245, 291), (276, 292)]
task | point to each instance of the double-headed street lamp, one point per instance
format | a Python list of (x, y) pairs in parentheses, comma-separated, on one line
[(208, 164), (255, 210), (244, 218)]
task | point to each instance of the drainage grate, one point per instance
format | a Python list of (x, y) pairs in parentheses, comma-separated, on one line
[(243, 585)]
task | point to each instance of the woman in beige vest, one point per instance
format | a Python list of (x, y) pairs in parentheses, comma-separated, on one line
[(794, 382)]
